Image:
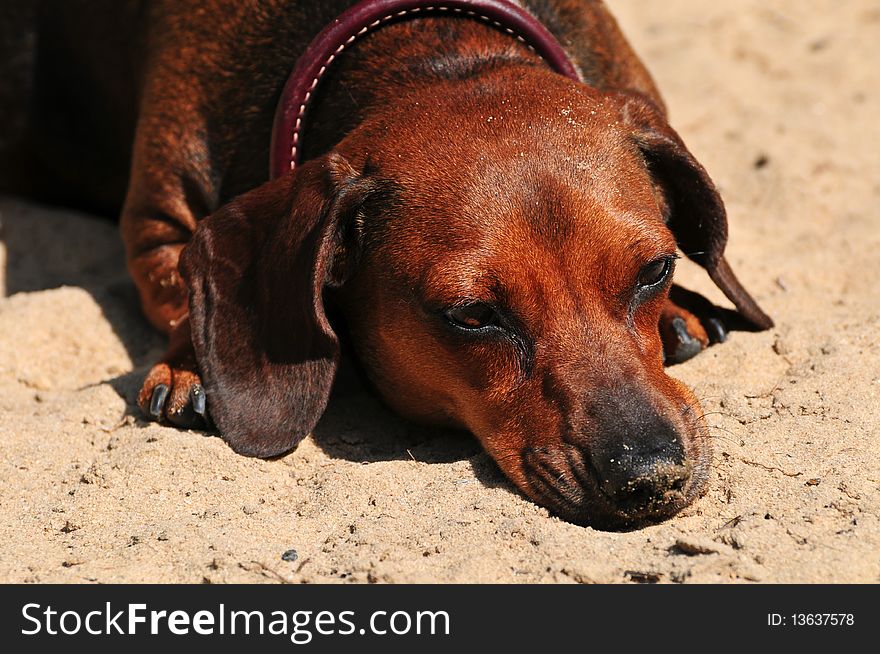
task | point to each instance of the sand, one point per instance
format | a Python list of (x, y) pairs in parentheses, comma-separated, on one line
[(779, 101)]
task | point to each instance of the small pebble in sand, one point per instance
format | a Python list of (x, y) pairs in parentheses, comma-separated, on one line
[(290, 556)]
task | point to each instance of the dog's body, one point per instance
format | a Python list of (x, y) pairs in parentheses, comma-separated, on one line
[(498, 239)]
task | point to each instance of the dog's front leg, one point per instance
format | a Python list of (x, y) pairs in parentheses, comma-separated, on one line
[(171, 188)]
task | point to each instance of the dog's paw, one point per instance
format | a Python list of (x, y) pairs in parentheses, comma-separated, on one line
[(174, 395), (685, 332), (172, 391)]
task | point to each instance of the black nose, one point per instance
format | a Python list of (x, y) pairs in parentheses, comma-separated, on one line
[(644, 468)]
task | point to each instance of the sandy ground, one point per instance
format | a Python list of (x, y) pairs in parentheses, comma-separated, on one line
[(780, 102)]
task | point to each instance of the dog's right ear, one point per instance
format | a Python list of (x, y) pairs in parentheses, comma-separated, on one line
[(696, 214), (256, 270)]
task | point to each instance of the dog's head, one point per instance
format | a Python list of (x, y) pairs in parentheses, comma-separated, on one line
[(501, 261)]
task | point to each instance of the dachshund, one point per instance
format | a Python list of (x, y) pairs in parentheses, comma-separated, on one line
[(495, 240)]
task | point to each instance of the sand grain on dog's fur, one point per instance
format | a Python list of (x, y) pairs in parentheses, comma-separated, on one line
[(779, 101)]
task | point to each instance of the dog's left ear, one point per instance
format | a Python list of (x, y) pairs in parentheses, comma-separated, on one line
[(696, 213)]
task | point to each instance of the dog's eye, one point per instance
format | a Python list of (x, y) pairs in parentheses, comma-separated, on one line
[(472, 316), (656, 272)]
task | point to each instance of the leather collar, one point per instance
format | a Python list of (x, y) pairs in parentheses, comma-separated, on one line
[(368, 15)]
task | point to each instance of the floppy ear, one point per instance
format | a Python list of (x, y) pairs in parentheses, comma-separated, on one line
[(696, 213), (256, 270)]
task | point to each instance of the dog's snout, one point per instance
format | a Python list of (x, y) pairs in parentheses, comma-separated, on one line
[(644, 470)]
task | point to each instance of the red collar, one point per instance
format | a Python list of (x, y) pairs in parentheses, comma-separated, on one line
[(370, 14)]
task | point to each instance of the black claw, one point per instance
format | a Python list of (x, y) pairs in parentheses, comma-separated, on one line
[(200, 406), (157, 401), (197, 395), (681, 330), (716, 330), (193, 414), (688, 346)]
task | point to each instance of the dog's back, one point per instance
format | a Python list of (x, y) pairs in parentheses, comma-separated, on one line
[(68, 103)]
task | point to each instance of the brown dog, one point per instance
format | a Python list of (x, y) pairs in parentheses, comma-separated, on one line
[(499, 240)]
